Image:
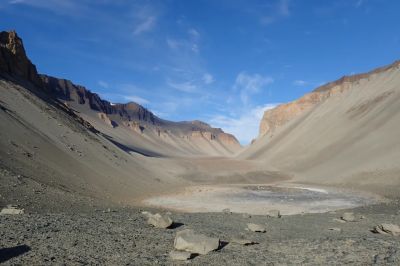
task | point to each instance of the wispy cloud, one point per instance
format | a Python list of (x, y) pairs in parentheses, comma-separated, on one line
[(359, 3), (194, 33), (186, 86), (191, 42), (280, 10), (145, 18), (146, 24), (67, 7), (208, 78), (103, 84), (300, 82), (249, 84), (246, 126)]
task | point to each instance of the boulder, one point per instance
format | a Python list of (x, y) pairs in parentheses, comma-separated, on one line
[(274, 214), (387, 229), (257, 227), (11, 210), (187, 240), (159, 221), (180, 255), (348, 217)]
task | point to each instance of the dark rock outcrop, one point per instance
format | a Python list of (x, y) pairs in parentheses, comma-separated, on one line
[(13, 59)]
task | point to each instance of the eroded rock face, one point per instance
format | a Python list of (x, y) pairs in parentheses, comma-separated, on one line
[(135, 126), (106, 119), (13, 59), (187, 240), (282, 114)]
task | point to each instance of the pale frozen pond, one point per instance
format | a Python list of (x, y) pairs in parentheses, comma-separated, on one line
[(259, 199)]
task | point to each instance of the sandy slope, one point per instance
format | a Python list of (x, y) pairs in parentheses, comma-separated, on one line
[(42, 142), (350, 139)]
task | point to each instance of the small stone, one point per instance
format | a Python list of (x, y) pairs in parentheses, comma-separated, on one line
[(387, 229), (227, 210), (246, 215), (11, 210), (187, 240), (242, 241), (339, 220), (159, 221), (348, 217), (256, 227), (335, 229), (180, 255), (274, 214), (146, 213)]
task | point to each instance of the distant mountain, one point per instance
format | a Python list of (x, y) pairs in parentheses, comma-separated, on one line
[(130, 123), (343, 133)]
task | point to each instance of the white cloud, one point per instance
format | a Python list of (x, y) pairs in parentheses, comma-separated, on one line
[(208, 78), (195, 48), (194, 33), (359, 3), (103, 84), (280, 10), (146, 24), (249, 84), (172, 44), (136, 99), (300, 82), (283, 8), (186, 86), (66, 7), (246, 126)]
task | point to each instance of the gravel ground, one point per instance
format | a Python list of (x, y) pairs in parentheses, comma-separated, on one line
[(122, 237)]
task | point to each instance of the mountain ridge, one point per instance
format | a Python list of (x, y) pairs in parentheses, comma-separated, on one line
[(284, 113), (132, 116)]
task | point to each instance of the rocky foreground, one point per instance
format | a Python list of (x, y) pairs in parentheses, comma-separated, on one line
[(122, 236)]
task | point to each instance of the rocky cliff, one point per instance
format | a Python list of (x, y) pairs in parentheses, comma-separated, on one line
[(282, 114), (13, 59), (132, 116)]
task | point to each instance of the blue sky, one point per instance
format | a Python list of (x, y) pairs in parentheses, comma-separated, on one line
[(223, 62)]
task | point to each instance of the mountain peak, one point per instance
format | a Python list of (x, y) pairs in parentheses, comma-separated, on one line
[(11, 41), (13, 59)]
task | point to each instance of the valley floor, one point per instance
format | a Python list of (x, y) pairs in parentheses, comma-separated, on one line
[(61, 228), (122, 237)]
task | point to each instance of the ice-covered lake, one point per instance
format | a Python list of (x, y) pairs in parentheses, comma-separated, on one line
[(259, 199)]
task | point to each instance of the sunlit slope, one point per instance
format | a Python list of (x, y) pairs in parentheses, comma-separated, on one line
[(344, 133)]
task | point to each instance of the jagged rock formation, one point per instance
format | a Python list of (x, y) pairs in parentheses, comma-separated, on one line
[(13, 59)]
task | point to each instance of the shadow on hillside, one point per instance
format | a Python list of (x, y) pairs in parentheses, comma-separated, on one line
[(9, 253), (128, 149)]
